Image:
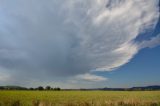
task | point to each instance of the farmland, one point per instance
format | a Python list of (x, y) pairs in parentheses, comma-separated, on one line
[(79, 98)]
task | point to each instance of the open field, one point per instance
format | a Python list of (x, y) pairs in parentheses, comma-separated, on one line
[(79, 98)]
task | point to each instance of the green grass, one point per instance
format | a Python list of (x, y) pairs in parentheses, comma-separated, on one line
[(79, 98)]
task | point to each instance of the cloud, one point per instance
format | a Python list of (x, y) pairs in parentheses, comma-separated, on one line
[(153, 42), (90, 77), (4, 77), (57, 39)]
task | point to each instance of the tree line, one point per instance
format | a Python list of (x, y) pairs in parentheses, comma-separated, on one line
[(41, 88), (49, 88)]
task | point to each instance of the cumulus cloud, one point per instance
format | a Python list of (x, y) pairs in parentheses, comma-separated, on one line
[(63, 38)]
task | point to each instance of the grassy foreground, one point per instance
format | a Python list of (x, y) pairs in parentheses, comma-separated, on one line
[(79, 98)]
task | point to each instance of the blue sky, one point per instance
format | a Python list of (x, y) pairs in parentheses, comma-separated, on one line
[(142, 70), (79, 44)]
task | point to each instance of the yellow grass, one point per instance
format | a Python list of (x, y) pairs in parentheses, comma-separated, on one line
[(79, 98)]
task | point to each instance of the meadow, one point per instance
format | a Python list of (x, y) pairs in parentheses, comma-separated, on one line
[(79, 98)]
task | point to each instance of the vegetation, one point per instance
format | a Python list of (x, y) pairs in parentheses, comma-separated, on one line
[(147, 88), (79, 98), (40, 88)]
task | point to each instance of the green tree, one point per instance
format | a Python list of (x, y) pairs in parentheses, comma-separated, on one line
[(40, 88), (48, 88)]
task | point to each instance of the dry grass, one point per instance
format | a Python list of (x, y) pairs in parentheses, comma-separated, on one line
[(79, 98)]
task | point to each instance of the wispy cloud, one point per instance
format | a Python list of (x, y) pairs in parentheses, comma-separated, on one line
[(65, 38), (153, 42)]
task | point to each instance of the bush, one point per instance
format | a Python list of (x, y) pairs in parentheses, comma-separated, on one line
[(48, 88), (40, 88)]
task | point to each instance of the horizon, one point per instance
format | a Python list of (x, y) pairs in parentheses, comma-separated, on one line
[(80, 44), (81, 88)]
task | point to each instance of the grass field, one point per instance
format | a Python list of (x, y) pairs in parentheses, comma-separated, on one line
[(79, 98)]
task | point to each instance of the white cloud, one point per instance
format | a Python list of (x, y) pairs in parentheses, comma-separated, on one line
[(153, 42), (4, 77), (90, 77), (64, 38)]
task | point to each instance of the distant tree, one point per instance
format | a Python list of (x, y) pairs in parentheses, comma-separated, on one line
[(57, 89), (31, 88), (138, 89), (48, 88), (40, 88), (2, 88)]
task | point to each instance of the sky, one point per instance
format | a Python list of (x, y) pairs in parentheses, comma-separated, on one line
[(79, 43)]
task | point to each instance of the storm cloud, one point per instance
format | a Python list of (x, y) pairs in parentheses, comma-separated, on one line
[(51, 39)]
